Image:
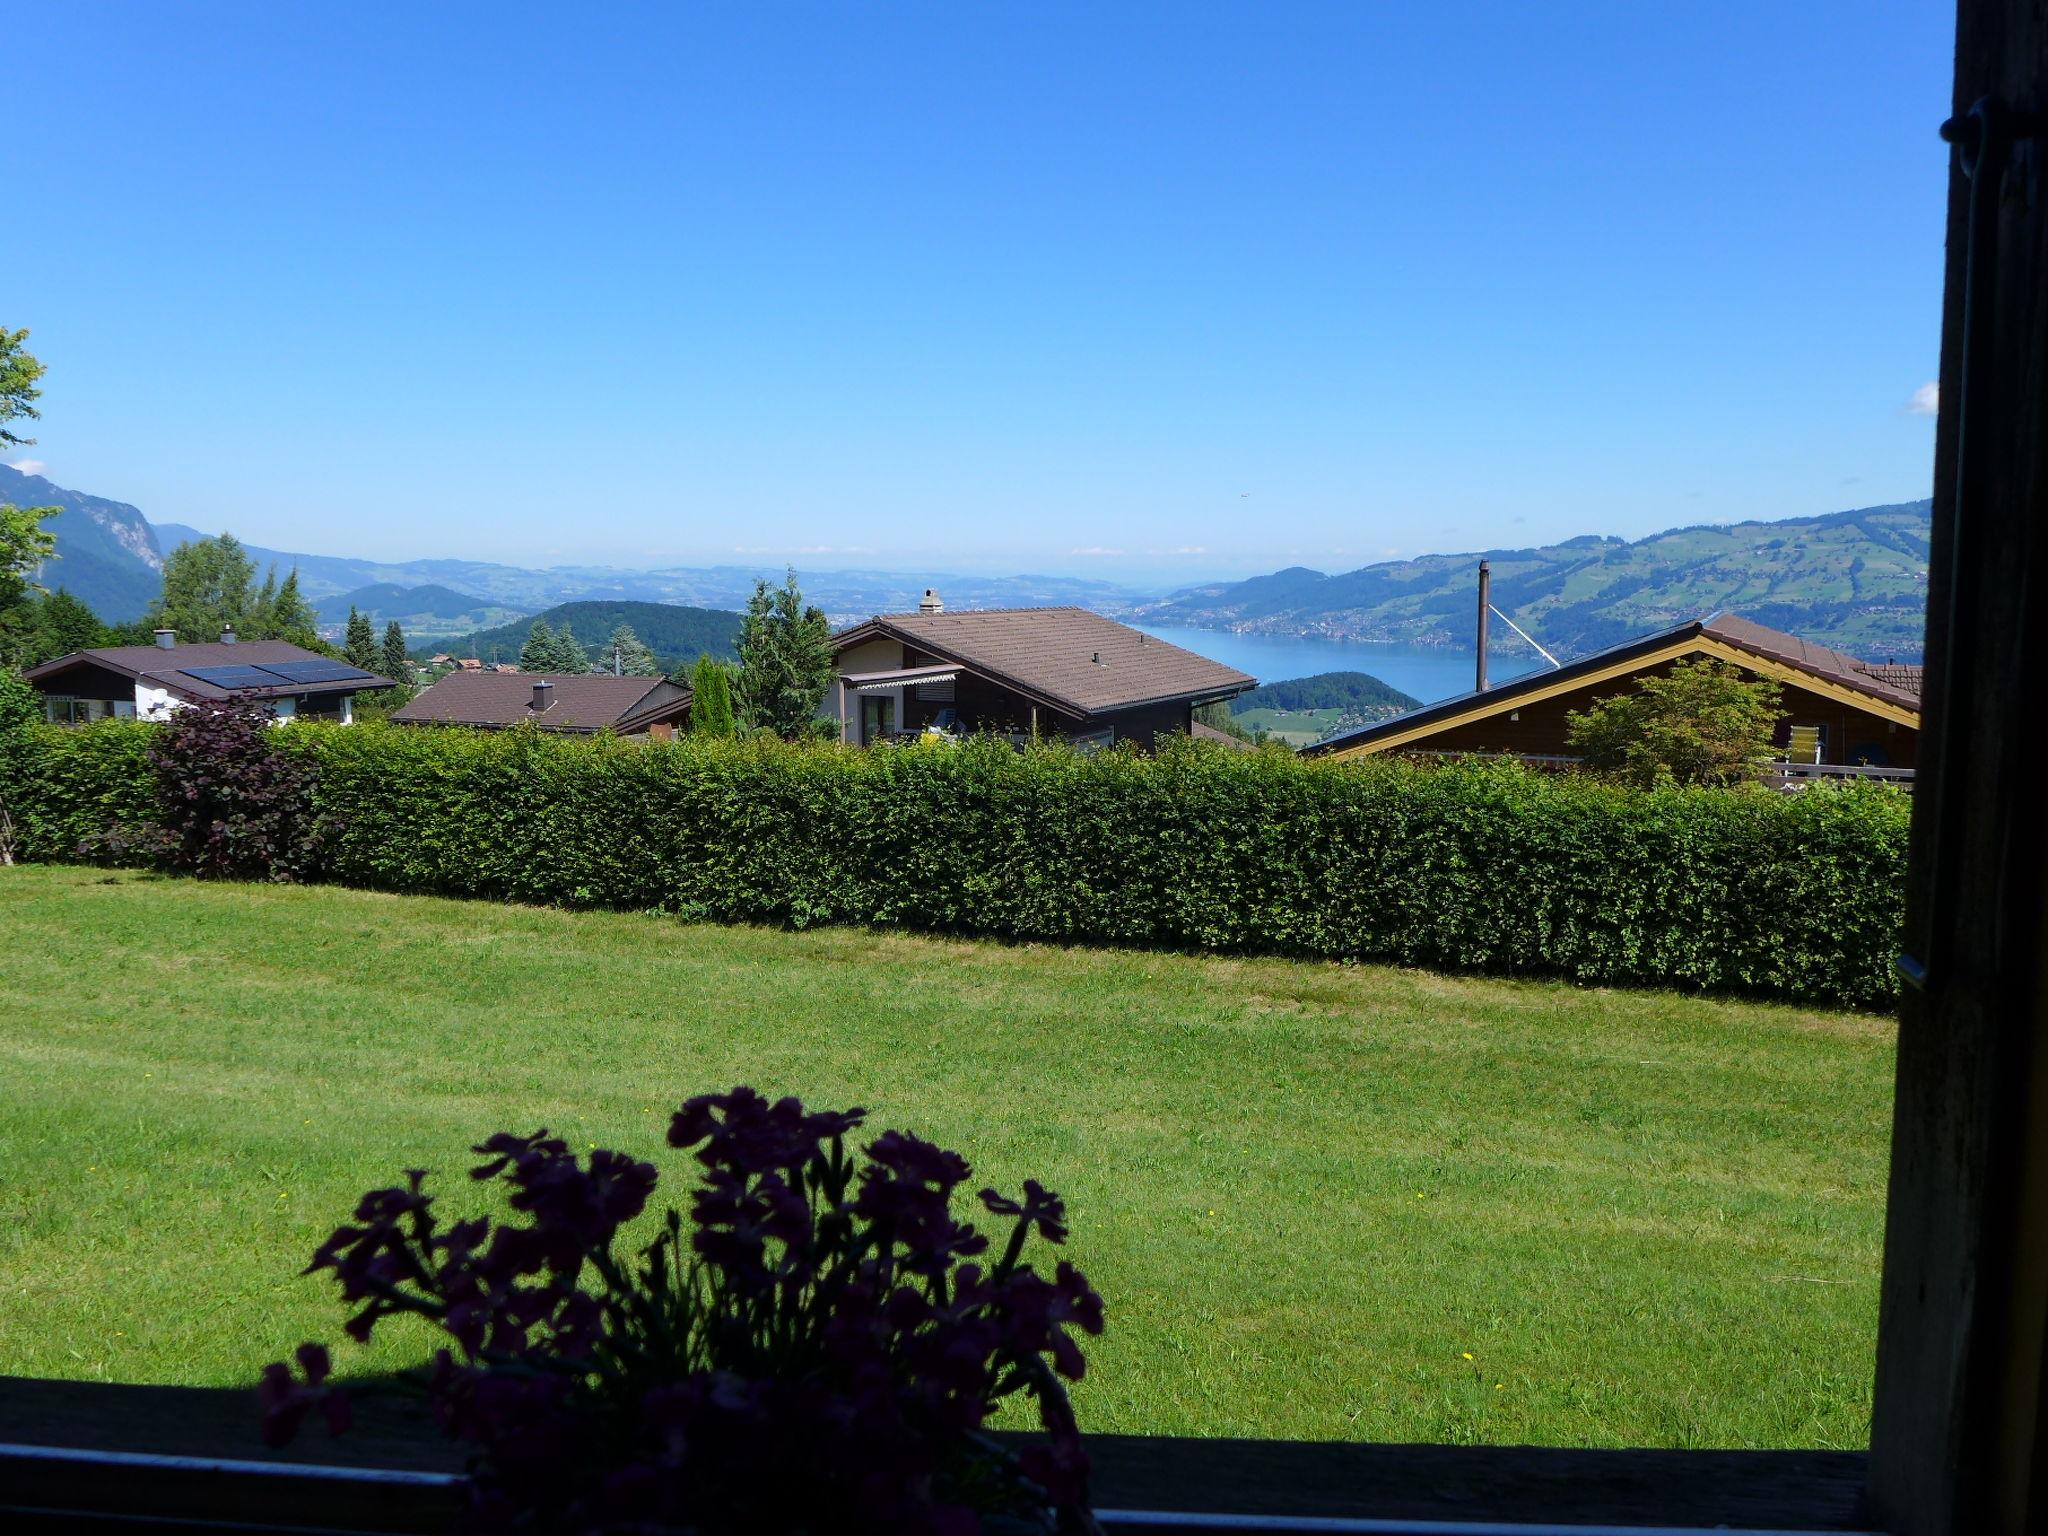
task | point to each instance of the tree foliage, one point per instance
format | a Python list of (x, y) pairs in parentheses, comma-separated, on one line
[(24, 542), (625, 652), (359, 643), (785, 663), (1706, 722), (393, 662), (711, 698), (548, 649), (210, 584)]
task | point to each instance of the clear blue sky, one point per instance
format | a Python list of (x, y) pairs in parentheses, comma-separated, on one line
[(1126, 289)]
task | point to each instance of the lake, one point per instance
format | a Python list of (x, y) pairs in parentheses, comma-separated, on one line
[(1427, 674)]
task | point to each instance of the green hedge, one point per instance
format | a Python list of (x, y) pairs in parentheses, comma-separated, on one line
[(1481, 867)]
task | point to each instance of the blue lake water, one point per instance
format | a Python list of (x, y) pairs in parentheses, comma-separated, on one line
[(1427, 674)]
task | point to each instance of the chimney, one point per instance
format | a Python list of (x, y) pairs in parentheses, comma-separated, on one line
[(542, 696), (1485, 606), (227, 634), (931, 602), (166, 638)]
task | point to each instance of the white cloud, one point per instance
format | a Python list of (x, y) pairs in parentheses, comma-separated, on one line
[(1926, 400), (30, 466), (1095, 549)]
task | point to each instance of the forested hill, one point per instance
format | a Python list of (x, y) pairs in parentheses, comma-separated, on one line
[(1855, 580), (1349, 691), (675, 634)]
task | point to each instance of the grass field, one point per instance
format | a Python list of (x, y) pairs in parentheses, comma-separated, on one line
[(1296, 727), (1323, 1202)]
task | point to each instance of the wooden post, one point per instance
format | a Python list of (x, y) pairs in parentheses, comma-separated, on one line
[(1959, 1433)]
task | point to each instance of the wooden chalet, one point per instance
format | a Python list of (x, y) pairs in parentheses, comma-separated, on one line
[(1842, 713), (1018, 672)]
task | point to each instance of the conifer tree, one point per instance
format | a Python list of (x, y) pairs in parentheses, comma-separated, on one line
[(361, 644), (625, 651), (396, 665), (569, 653), (292, 617), (785, 662), (711, 702), (539, 653)]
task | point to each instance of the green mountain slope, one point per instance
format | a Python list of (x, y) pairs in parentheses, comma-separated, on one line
[(107, 555), (425, 613), (674, 633), (1327, 690), (1853, 580)]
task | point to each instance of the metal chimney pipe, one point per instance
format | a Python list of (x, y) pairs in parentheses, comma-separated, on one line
[(541, 694), (1485, 607), (227, 634)]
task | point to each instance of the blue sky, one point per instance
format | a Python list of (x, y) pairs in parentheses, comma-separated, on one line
[(1145, 291)]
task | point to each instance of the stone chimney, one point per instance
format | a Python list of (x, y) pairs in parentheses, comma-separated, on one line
[(227, 634), (543, 695), (166, 638), (931, 602)]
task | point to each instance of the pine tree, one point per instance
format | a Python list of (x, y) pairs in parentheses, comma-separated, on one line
[(361, 644), (785, 662), (539, 654), (396, 665), (292, 617), (711, 701), (569, 653), (625, 651)]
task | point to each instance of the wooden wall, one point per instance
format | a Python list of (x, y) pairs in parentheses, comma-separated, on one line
[(1539, 729)]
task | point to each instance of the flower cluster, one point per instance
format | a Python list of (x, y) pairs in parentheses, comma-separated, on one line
[(820, 1344)]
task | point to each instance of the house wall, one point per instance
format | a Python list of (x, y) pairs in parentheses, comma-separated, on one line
[(1538, 729), (1145, 726), (881, 655)]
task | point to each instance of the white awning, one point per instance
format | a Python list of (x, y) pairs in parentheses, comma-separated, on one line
[(901, 677)]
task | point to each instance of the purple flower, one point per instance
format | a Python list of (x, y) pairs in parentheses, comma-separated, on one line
[(1041, 1208)]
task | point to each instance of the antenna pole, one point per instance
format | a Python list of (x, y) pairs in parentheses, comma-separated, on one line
[(1485, 608)]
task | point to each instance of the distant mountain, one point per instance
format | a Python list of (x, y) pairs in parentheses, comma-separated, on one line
[(107, 555), (1349, 691), (424, 613), (1854, 580), (674, 633)]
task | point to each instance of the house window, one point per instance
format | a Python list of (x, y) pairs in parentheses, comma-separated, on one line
[(60, 709)]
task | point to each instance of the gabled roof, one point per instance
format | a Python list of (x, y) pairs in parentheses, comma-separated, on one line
[(577, 701), (1883, 688), (1075, 661), (172, 667)]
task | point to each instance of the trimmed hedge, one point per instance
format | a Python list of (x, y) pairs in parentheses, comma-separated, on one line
[(1470, 867)]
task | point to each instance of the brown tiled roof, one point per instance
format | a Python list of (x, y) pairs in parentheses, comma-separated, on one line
[(1073, 659), (577, 701), (1896, 674), (170, 666), (1817, 659)]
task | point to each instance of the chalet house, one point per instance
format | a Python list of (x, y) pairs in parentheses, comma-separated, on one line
[(1842, 713), (1018, 672), (147, 682), (580, 703)]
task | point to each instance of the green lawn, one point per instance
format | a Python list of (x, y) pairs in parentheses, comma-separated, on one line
[(1322, 1201)]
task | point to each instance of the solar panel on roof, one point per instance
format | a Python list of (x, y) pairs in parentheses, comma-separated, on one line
[(317, 671), (235, 677)]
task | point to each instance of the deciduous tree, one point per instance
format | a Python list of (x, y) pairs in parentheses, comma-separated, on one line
[(209, 585), (1704, 723)]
